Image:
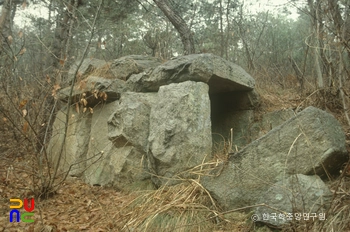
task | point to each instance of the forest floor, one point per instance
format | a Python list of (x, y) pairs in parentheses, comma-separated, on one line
[(77, 206)]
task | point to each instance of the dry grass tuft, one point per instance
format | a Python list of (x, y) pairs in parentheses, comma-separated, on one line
[(273, 97), (339, 214), (183, 207)]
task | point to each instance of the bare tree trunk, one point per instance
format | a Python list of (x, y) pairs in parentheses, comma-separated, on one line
[(179, 24), (342, 32), (5, 25), (227, 28), (298, 72), (346, 30), (341, 78), (316, 20), (319, 47), (241, 30), (249, 45), (222, 46), (62, 33), (319, 77), (6, 59)]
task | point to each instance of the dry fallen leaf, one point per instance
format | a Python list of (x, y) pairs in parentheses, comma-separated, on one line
[(24, 5), (10, 39), (24, 112), (62, 62), (48, 79), (95, 94), (82, 84), (22, 51), (23, 103), (77, 108), (25, 127), (89, 203), (84, 101), (103, 95), (54, 90), (20, 34)]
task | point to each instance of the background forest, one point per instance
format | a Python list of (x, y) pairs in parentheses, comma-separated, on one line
[(298, 52), (261, 37)]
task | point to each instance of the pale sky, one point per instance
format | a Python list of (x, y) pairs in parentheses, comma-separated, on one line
[(274, 6)]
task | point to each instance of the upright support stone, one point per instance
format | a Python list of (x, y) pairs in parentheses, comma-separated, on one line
[(180, 128), (76, 143)]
